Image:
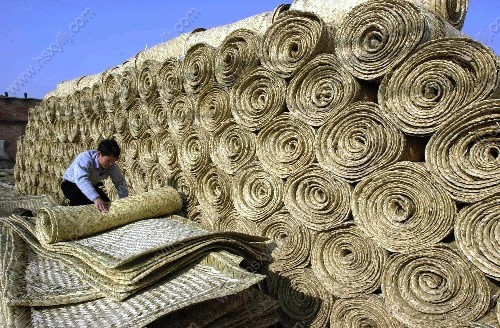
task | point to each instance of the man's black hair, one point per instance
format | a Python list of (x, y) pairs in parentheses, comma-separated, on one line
[(109, 147)]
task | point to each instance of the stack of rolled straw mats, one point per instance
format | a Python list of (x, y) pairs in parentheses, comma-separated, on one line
[(75, 267), (361, 136)]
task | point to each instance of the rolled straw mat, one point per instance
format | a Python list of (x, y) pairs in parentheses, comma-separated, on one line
[(32, 203), (434, 287), (402, 208), (213, 106), (463, 154), (438, 78), (69, 222)]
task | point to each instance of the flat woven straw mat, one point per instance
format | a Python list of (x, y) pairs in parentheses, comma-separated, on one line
[(69, 222), (32, 203)]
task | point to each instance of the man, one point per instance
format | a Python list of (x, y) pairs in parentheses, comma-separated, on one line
[(82, 180)]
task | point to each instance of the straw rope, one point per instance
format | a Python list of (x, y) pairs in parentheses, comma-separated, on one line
[(147, 84), (194, 152), (292, 41), (358, 141), (434, 287), (378, 35), (180, 115), (347, 262), (291, 238), (436, 79), (238, 53), (170, 82), (285, 145), (232, 147), (256, 193), (128, 87), (402, 208), (65, 223), (213, 106), (198, 67), (303, 299), (476, 233), (214, 192), (320, 89), (317, 198), (463, 154), (257, 97), (362, 311)]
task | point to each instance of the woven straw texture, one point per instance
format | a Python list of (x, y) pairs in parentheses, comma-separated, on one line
[(355, 135), (32, 203)]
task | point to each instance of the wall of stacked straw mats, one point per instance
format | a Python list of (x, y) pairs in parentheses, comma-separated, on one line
[(362, 137)]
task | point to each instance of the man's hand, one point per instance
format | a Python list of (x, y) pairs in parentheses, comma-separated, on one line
[(101, 205)]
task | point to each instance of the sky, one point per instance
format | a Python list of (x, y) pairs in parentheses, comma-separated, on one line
[(46, 42)]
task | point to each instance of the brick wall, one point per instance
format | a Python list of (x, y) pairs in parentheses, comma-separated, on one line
[(13, 119)]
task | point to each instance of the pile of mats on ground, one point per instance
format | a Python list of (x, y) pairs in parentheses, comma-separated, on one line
[(136, 265), (361, 136)]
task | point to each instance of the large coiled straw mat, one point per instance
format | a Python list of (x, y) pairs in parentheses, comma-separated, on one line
[(111, 90), (256, 193), (434, 287), (238, 53), (402, 208), (194, 152), (181, 115), (378, 35), (235, 222), (293, 40), (257, 97), (147, 84), (69, 222), (212, 278), (128, 87), (285, 145), (213, 106), (347, 262), (320, 89), (292, 241), (170, 79), (317, 198), (362, 311), (232, 147), (477, 236), (304, 302), (97, 99), (32, 203), (33, 280), (157, 115), (167, 152), (137, 119), (439, 77), (463, 154), (198, 67), (213, 191), (358, 141)]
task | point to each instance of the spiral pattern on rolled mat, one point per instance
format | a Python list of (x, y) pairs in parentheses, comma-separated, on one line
[(106, 126), (147, 152), (213, 106), (320, 89), (97, 101), (433, 82), (137, 119), (317, 198), (180, 115), (292, 41), (358, 141), (167, 152), (120, 122), (157, 115), (465, 152), (285, 145), (434, 287), (238, 53), (362, 311), (234, 222), (94, 131), (198, 67), (85, 105), (378, 35), (137, 178), (280, 9), (50, 114), (71, 111), (256, 193), (232, 147), (194, 152), (111, 91), (131, 151), (186, 186), (170, 82), (304, 302), (257, 97), (477, 235), (453, 11), (128, 87), (348, 262), (72, 130), (292, 241), (214, 191), (402, 208), (147, 84), (156, 178)]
